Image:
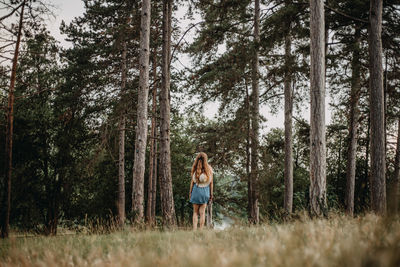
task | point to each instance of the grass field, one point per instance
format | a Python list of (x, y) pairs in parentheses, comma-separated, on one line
[(337, 241)]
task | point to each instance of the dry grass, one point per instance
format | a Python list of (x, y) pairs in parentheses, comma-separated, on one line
[(338, 241)]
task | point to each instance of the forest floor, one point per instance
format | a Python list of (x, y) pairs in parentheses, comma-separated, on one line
[(337, 241)]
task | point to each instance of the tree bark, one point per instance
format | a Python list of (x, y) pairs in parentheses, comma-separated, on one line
[(393, 203), (288, 173), (155, 178), (367, 155), (141, 130), (367, 176), (378, 161), (150, 193), (209, 215), (353, 122), (54, 206), (167, 200), (317, 119), (248, 155), (253, 216), (121, 145), (6, 201)]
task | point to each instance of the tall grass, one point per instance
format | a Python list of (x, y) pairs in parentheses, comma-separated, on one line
[(337, 241)]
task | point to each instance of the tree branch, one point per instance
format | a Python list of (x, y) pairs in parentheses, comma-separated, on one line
[(346, 15), (12, 12)]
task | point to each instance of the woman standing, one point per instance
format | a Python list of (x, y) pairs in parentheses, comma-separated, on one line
[(201, 188)]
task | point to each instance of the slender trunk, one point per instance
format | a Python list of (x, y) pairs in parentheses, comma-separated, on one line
[(141, 130), (394, 188), (54, 203), (47, 181), (248, 155), (150, 194), (167, 200), (367, 158), (255, 117), (378, 161), (121, 171), (53, 220), (326, 41), (288, 198), (121, 145), (209, 215), (182, 219), (317, 119), (339, 162), (6, 201), (353, 122), (154, 183), (385, 100), (51, 186)]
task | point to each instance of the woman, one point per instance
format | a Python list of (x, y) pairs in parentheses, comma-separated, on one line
[(201, 188)]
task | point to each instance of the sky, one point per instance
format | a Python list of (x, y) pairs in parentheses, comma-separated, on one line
[(68, 9), (65, 10)]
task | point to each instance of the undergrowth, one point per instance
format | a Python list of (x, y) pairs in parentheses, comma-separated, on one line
[(336, 241)]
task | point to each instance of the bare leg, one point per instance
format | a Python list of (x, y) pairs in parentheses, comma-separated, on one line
[(202, 210), (195, 214)]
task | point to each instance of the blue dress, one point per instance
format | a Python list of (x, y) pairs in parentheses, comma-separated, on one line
[(201, 192), (200, 195)]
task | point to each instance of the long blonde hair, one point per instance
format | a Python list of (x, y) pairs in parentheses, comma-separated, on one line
[(200, 166)]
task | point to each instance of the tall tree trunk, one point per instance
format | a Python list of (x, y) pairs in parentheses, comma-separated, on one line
[(150, 193), (339, 162), (141, 130), (167, 200), (55, 205), (367, 177), (155, 178), (378, 161), (209, 215), (393, 198), (121, 171), (248, 155), (317, 119), (353, 122), (6, 201), (385, 100), (182, 219), (55, 195), (288, 198), (121, 145), (253, 216)]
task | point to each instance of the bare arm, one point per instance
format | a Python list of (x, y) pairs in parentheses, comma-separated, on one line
[(211, 189), (191, 188)]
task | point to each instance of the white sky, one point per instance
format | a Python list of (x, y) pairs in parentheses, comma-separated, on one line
[(68, 9), (65, 10)]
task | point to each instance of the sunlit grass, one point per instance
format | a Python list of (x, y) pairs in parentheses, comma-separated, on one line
[(337, 241)]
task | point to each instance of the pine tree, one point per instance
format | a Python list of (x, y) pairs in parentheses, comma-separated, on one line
[(167, 200), (121, 147), (317, 132), (288, 198), (6, 201), (141, 133), (104, 42), (353, 121), (151, 192), (378, 160), (255, 119)]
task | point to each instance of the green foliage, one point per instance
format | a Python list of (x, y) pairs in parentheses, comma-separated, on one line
[(68, 102)]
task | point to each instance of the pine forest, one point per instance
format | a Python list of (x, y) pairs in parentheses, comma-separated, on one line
[(106, 105)]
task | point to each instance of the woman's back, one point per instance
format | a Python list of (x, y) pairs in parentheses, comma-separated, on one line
[(203, 181)]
